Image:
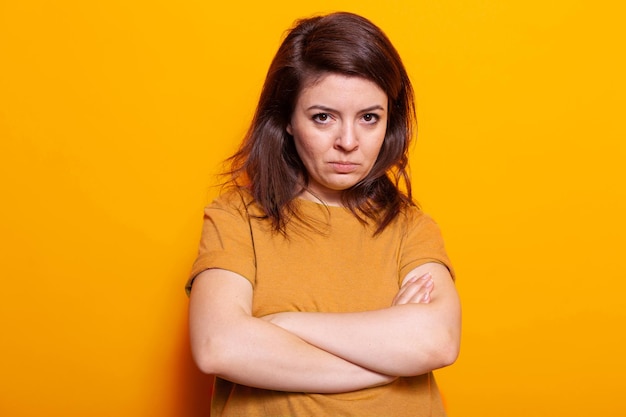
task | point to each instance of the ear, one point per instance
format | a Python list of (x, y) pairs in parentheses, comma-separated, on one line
[(289, 129)]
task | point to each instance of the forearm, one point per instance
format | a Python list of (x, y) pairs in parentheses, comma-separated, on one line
[(262, 355), (227, 341), (402, 340), (397, 341)]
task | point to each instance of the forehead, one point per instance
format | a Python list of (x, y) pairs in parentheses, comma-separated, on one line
[(341, 89)]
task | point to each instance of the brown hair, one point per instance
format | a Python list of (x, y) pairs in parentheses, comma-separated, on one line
[(267, 162)]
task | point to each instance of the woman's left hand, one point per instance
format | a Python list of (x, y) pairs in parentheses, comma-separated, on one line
[(420, 332), (415, 290)]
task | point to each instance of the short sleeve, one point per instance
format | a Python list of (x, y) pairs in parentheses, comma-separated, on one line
[(422, 243), (226, 240)]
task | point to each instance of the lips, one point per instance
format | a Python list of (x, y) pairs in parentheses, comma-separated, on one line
[(342, 167)]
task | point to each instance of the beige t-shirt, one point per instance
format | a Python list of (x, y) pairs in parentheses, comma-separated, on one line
[(339, 267)]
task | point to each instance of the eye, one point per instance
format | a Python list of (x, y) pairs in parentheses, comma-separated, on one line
[(371, 118), (321, 118)]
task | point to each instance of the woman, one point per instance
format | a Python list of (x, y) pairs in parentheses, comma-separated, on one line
[(320, 289)]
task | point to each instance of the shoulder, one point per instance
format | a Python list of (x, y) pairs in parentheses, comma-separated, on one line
[(232, 200), (413, 216), (234, 197), (422, 240), (418, 226)]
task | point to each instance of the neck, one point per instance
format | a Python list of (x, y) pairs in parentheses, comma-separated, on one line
[(306, 194)]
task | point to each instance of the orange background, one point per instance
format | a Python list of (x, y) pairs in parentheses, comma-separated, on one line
[(115, 117)]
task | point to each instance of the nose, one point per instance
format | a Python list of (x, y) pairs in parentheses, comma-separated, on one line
[(347, 138)]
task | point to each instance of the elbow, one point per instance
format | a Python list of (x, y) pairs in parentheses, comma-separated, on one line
[(217, 350), (448, 353), (205, 363), (207, 358), (445, 343), (441, 352), (445, 349)]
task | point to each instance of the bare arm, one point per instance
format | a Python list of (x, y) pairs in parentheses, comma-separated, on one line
[(417, 334), (227, 341)]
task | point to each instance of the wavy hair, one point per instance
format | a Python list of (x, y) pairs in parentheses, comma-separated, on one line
[(267, 163)]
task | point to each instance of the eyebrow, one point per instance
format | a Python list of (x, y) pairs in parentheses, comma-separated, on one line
[(330, 109)]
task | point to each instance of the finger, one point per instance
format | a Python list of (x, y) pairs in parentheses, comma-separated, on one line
[(418, 295), (408, 293), (414, 291), (412, 285), (407, 286), (416, 278)]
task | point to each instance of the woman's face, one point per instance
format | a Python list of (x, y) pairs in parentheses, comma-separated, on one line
[(338, 125)]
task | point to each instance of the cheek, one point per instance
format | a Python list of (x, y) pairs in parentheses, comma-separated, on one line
[(308, 146), (377, 145), (303, 149)]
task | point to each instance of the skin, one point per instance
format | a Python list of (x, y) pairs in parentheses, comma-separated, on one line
[(420, 332), (273, 352), (338, 125)]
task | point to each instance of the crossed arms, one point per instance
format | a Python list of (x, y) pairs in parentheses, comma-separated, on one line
[(324, 352)]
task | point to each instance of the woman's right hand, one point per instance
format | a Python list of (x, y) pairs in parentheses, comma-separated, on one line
[(415, 290)]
